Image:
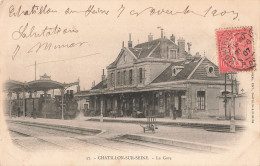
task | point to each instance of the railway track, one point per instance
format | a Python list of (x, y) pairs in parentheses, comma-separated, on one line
[(34, 137), (68, 140), (56, 138), (34, 142)]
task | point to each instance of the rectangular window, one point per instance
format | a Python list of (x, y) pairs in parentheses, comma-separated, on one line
[(201, 100), (140, 75), (172, 54), (130, 77), (118, 78), (112, 79), (124, 78), (85, 106)]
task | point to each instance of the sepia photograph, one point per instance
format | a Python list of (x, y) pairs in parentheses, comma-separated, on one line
[(129, 82)]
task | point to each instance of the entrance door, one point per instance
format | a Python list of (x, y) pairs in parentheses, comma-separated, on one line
[(177, 103), (167, 104), (156, 103)]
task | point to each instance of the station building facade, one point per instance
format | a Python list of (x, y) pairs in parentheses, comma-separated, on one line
[(157, 76)]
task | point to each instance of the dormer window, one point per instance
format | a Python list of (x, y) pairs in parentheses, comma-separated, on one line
[(172, 54), (210, 71), (176, 70)]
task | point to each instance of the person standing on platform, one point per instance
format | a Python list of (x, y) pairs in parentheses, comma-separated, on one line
[(173, 109)]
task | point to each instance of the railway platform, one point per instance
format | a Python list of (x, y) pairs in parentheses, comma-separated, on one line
[(178, 130)]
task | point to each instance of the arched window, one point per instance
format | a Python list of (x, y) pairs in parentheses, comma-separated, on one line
[(210, 71)]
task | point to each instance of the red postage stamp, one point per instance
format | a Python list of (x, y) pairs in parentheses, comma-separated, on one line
[(235, 50)]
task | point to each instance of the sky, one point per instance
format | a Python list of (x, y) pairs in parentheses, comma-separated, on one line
[(104, 35)]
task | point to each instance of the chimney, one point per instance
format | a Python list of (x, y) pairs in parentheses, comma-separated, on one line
[(103, 75), (130, 43), (163, 46), (93, 84), (189, 44), (123, 44), (197, 54), (181, 47), (150, 37), (172, 37), (78, 87), (161, 33)]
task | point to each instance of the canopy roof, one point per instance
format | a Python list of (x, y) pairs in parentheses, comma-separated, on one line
[(37, 85), (44, 85), (14, 86)]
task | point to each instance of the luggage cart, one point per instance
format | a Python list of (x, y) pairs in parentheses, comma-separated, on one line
[(151, 124)]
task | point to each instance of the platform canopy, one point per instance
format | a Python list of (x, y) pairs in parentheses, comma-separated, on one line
[(14, 86), (43, 84)]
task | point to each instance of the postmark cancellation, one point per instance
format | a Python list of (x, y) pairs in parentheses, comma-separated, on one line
[(235, 49)]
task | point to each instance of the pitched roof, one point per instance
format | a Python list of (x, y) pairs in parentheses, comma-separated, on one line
[(124, 49), (113, 64), (147, 49), (202, 75), (101, 85), (188, 64), (143, 50), (151, 48)]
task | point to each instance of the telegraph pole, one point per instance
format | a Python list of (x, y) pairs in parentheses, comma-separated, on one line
[(232, 119)]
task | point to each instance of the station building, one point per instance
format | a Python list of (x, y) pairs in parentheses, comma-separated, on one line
[(157, 76)]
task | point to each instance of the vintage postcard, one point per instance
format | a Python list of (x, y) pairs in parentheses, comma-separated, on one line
[(123, 82)]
